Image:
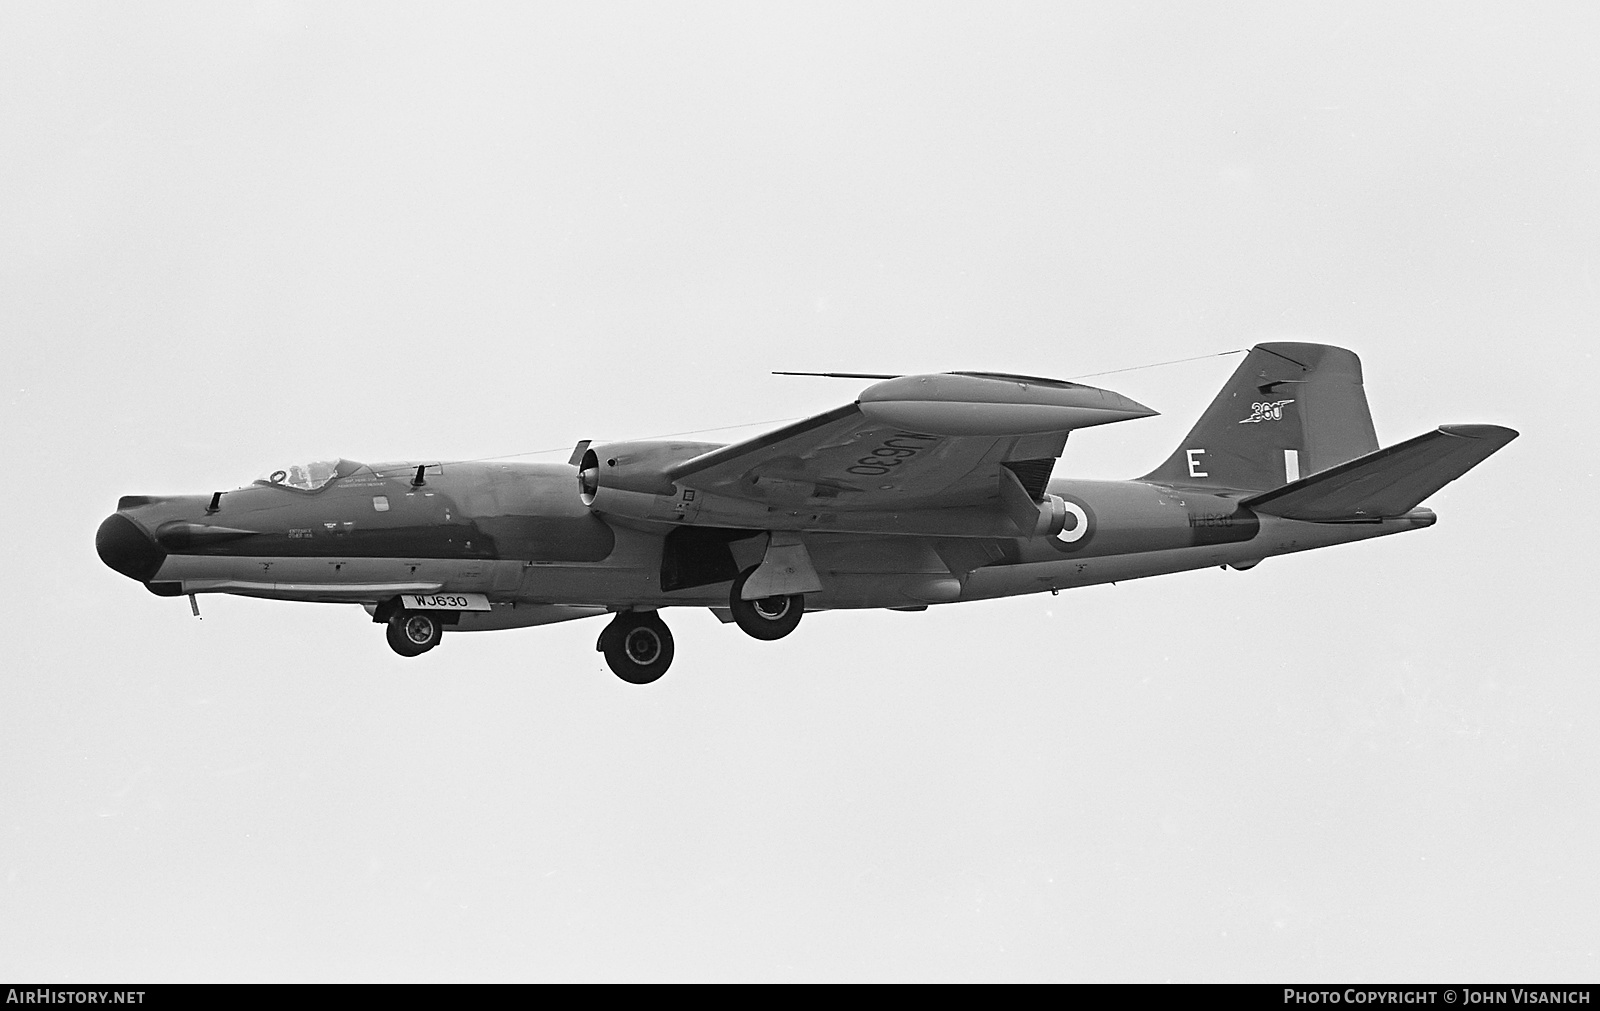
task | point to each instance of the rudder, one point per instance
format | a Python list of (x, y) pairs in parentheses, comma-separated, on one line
[(1288, 411)]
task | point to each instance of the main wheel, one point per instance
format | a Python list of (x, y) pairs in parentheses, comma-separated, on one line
[(768, 618), (412, 633), (638, 646)]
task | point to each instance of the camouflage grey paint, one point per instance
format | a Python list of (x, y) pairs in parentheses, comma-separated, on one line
[(599, 565), (525, 512), (1291, 426), (1307, 399)]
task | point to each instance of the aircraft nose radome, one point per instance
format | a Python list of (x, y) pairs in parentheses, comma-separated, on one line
[(126, 548)]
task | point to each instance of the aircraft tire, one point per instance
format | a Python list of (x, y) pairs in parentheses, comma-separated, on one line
[(638, 646), (413, 633), (768, 618)]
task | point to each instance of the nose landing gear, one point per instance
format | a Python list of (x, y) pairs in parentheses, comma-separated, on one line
[(412, 633), (637, 645)]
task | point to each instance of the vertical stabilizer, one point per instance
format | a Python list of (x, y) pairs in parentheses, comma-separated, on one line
[(1288, 411)]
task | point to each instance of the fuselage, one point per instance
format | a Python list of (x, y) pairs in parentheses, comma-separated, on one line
[(519, 534), (926, 489)]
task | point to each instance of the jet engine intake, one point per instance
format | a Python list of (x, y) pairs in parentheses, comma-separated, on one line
[(637, 467), (589, 477), (630, 478)]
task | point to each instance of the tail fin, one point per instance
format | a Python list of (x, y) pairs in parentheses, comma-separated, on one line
[(1288, 410)]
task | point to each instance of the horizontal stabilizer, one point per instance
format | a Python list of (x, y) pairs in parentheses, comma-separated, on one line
[(1388, 482)]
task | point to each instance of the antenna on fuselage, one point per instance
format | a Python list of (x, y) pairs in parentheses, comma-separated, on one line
[(416, 481)]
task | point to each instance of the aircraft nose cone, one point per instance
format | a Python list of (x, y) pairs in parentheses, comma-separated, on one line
[(128, 549)]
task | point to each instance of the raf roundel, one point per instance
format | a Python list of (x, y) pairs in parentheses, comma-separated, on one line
[(1078, 529)]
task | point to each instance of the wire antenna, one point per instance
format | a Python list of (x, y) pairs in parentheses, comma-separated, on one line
[(1152, 365), (841, 375)]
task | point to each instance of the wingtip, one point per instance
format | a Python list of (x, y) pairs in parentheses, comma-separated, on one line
[(1138, 410), (1497, 433), (1129, 406)]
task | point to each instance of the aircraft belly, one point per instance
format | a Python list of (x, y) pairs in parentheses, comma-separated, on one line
[(631, 561), (884, 589), (1276, 537), (629, 576), (604, 585), (880, 572), (336, 578), (503, 616), (854, 572)]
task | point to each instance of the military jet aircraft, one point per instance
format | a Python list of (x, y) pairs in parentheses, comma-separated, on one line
[(924, 490)]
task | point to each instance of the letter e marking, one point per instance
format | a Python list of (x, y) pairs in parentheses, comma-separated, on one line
[(1194, 463)]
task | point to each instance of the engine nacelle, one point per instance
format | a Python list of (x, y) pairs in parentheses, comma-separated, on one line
[(634, 466), (628, 479)]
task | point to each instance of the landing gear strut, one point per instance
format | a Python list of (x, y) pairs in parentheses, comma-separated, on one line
[(412, 633), (768, 618), (637, 645)]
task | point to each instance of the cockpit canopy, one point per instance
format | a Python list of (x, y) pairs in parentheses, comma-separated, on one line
[(310, 476)]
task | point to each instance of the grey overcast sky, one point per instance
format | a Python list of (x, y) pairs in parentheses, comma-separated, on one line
[(233, 235)]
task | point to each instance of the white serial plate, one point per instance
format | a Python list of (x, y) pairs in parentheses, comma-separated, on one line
[(444, 601)]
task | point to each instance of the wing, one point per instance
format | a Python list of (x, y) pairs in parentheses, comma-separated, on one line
[(915, 443)]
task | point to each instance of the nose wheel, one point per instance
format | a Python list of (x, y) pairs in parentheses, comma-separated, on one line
[(637, 646), (412, 633), (769, 617)]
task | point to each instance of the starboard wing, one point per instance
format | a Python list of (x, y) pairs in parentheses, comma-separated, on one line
[(911, 443)]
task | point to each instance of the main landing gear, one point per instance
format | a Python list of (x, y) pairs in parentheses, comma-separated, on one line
[(768, 618), (637, 645), (412, 633)]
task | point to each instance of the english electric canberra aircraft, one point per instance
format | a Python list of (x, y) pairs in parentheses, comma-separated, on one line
[(926, 489)]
